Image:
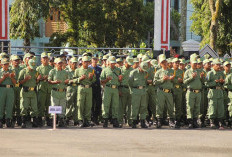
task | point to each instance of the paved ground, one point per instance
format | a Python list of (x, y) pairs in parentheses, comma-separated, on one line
[(115, 142)]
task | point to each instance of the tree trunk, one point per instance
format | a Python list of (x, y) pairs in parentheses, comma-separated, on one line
[(27, 42), (183, 22), (214, 8)]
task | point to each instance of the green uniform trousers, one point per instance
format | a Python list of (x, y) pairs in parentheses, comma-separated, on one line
[(230, 109), (71, 108), (151, 100), (193, 103), (124, 105), (204, 103), (44, 101), (59, 102), (177, 98), (216, 108), (110, 100), (28, 103), (84, 103), (16, 109), (139, 106), (164, 100), (6, 102)]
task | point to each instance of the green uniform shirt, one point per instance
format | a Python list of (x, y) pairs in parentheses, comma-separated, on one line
[(193, 83), (60, 75), (125, 74), (26, 72), (114, 73), (43, 84), (136, 79), (81, 71), (228, 84), (178, 74), (7, 81), (158, 80)]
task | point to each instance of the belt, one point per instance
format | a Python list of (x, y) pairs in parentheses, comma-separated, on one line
[(85, 86), (150, 84), (195, 90), (124, 86), (177, 86), (59, 90), (27, 89), (184, 89), (73, 84), (166, 90), (17, 85), (112, 86), (139, 87), (6, 86), (217, 87)]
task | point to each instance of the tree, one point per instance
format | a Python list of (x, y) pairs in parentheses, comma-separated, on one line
[(106, 23), (25, 16), (183, 21), (212, 21)]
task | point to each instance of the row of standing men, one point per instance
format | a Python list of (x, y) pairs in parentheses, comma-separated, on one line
[(133, 90)]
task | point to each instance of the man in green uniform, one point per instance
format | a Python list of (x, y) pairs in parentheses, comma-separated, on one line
[(228, 87), (85, 77), (125, 96), (111, 78), (7, 81), (177, 91), (28, 102), (17, 88), (227, 71), (164, 79), (44, 89), (137, 82), (71, 94), (59, 78), (204, 99), (193, 80), (214, 81)]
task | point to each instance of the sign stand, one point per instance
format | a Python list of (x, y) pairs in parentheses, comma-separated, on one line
[(54, 121), (55, 110)]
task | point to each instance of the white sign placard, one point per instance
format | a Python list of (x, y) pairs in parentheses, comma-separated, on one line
[(55, 109)]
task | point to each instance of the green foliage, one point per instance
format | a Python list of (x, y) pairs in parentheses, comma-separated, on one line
[(107, 23), (202, 20), (25, 15)]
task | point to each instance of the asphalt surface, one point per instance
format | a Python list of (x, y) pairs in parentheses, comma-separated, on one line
[(96, 141)]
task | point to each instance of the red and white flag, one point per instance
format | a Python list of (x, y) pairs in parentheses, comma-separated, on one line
[(4, 19)]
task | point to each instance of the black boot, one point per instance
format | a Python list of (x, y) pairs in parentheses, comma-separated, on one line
[(178, 124), (190, 123), (19, 120), (212, 124), (171, 123), (134, 123), (81, 124), (195, 125), (143, 124), (221, 124), (49, 121), (105, 125), (86, 123), (229, 123), (159, 123), (61, 122), (1, 123), (35, 123), (115, 123), (8, 123), (24, 120), (40, 122)]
